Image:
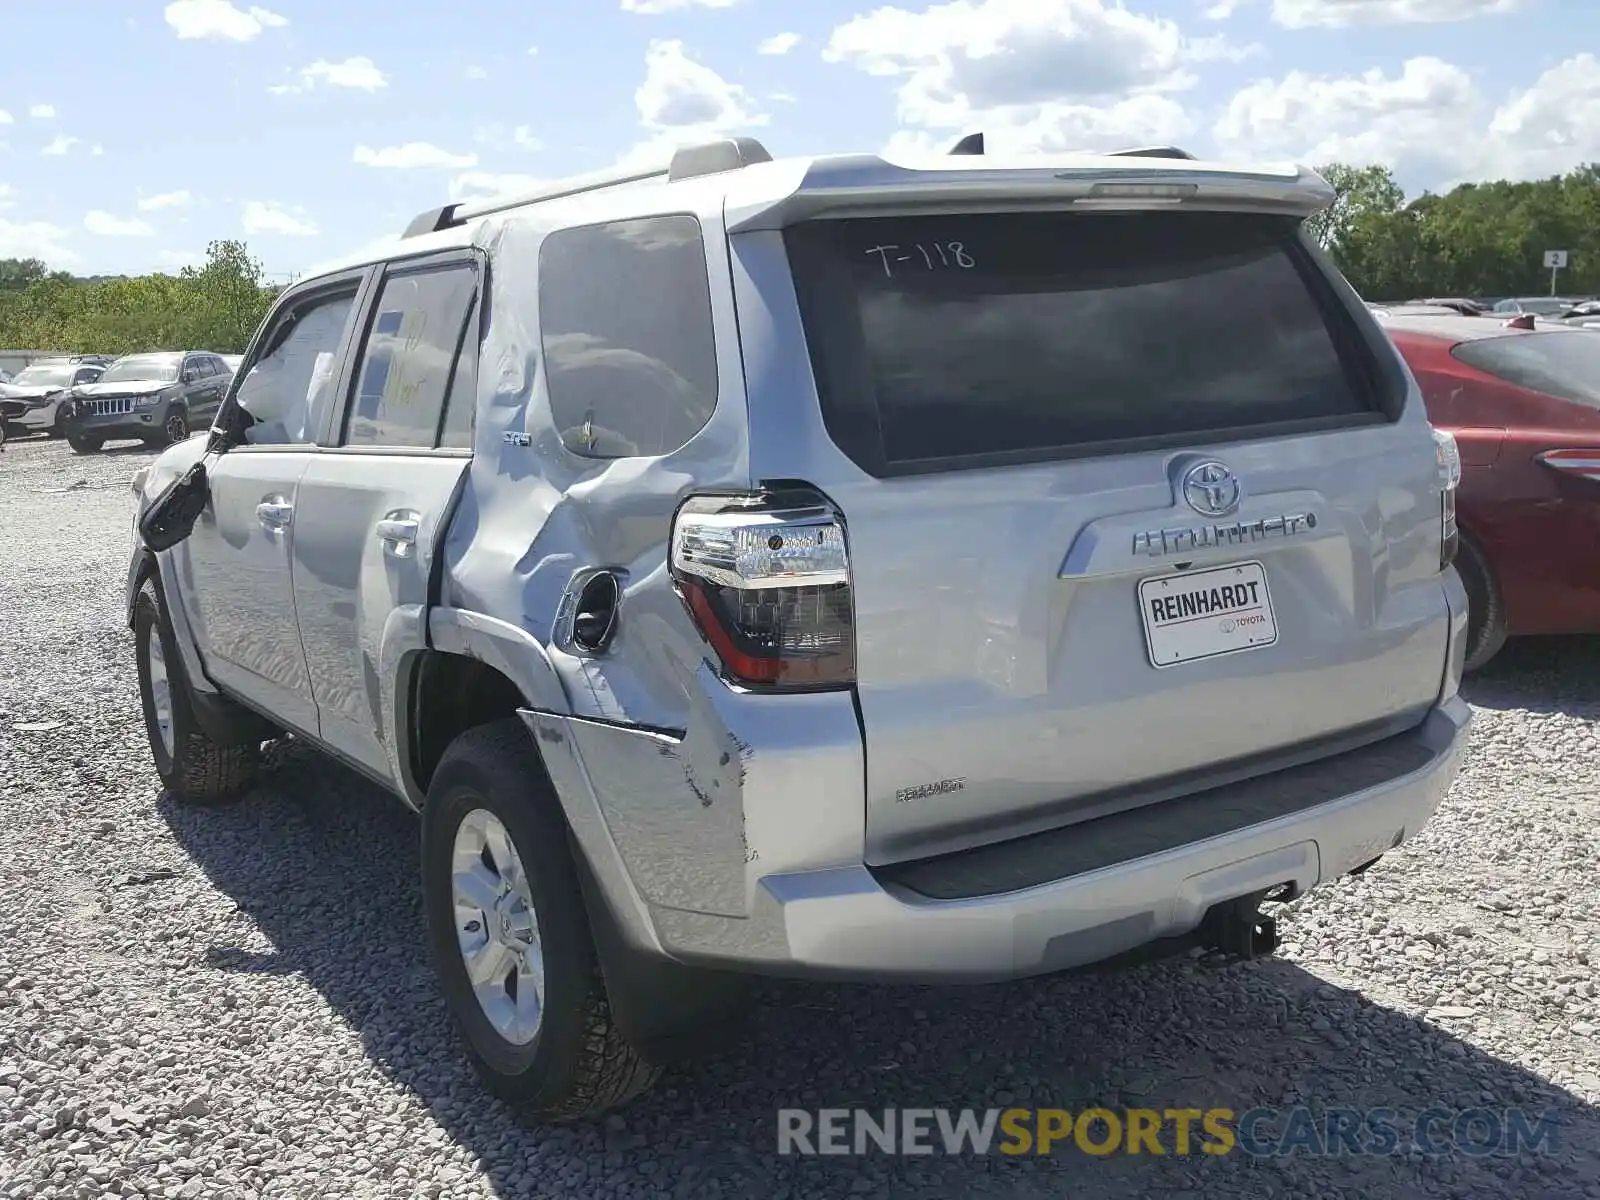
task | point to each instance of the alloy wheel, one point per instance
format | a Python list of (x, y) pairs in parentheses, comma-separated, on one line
[(496, 927)]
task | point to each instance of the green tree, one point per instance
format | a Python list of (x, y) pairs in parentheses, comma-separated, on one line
[(1358, 192), (16, 274), (229, 297), (215, 306)]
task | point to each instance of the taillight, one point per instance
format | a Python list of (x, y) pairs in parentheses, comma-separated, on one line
[(767, 581), (1448, 457), (1575, 462)]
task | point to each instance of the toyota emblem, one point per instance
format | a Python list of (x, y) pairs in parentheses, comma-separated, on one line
[(1211, 489)]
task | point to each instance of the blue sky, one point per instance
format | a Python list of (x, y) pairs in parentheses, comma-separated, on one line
[(133, 132)]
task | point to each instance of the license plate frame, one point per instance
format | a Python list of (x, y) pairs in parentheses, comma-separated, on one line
[(1179, 633)]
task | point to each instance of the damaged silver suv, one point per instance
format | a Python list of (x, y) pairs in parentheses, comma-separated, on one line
[(942, 570)]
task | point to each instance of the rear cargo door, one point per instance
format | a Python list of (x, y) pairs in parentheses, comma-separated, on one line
[(1134, 501)]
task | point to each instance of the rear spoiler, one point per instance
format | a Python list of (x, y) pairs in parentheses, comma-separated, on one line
[(867, 184)]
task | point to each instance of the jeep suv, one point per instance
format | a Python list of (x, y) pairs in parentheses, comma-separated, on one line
[(834, 567), (156, 398)]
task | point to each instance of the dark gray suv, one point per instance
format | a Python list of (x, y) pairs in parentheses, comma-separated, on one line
[(157, 398)]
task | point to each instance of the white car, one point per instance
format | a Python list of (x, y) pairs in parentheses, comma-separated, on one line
[(31, 400)]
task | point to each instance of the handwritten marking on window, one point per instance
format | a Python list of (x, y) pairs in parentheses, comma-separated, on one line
[(931, 256)]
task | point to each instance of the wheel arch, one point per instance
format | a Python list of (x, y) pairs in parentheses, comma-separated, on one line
[(474, 670)]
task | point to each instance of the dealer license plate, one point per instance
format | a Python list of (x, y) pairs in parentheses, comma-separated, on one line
[(1191, 615)]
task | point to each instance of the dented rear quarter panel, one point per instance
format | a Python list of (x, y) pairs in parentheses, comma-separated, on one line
[(700, 787)]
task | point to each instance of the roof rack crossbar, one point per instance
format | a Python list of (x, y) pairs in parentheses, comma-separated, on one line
[(689, 162), (1153, 152)]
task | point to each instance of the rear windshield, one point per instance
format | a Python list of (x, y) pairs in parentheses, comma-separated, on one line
[(1563, 363), (1018, 336)]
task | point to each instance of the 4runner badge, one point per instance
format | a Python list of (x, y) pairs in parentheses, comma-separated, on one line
[(922, 791)]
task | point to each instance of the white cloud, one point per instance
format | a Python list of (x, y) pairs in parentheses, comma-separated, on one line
[(1033, 74), (779, 43), (1307, 14), (41, 112), (411, 155), (1222, 10), (523, 137), (220, 19), (178, 199), (359, 72), (60, 145), (178, 258), (533, 51), (36, 239), (5, 117), (477, 72), (263, 217), (1430, 122), (97, 150), (486, 185), (656, 7), (104, 224), (8, 195), (679, 93)]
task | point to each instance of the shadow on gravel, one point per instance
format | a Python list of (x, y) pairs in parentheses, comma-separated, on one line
[(325, 865), (1542, 675)]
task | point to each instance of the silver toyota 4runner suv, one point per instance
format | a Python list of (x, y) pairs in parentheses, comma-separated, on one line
[(942, 570)]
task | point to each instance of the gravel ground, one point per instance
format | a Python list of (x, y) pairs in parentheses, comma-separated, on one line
[(236, 1002)]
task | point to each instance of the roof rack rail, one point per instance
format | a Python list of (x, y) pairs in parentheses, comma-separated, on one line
[(431, 221), (712, 158), (971, 144), (1152, 152), (688, 162)]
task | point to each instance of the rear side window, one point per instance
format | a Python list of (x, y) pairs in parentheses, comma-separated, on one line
[(625, 320), (408, 365), (1026, 336), (1560, 363)]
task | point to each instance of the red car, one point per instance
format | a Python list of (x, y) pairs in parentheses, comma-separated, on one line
[(1524, 406)]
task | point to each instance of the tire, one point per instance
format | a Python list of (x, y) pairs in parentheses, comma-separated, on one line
[(1486, 613), (58, 428), (572, 1062), (84, 445), (175, 428), (194, 768)]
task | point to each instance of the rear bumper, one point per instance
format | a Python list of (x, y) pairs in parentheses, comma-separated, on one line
[(849, 923), (708, 851)]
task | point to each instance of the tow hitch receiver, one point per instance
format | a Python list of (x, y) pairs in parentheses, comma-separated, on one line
[(1237, 930)]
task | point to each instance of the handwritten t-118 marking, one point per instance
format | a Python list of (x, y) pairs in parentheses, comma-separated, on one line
[(934, 256)]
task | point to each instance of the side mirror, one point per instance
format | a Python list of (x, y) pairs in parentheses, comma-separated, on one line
[(171, 515)]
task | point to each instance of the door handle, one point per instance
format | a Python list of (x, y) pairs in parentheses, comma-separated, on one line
[(398, 533), (274, 514)]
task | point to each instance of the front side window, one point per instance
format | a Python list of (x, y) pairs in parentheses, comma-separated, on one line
[(409, 361), (625, 322), (287, 389)]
